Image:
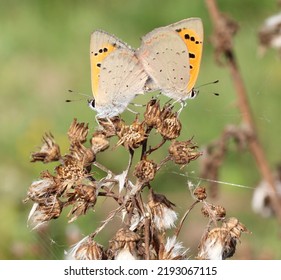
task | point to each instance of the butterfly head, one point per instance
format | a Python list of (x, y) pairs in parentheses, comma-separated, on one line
[(92, 104), (193, 93)]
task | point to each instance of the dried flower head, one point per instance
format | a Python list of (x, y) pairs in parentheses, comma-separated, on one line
[(145, 170), (261, 200), (41, 189), (49, 151), (131, 137), (77, 132), (182, 152), (44, 212), (70, 173), (86, 249), (82, 197), (124, 245), (152, 113), (162, 212), (172, 250), (269, 34), (235, 227), (99, 142), (220, 243), (200, 193), (71, 169), (215, 212), (169, 126), (82, 154), (111, 126), (212, 245)]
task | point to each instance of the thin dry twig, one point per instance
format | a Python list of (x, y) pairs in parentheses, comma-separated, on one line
[(178, 229)]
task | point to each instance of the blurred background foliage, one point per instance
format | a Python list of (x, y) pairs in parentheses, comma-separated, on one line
[(44, 51)]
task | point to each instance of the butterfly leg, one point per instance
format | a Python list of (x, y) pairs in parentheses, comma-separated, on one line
[(182, 103), (134, 112), (97, 120), (137, 105)]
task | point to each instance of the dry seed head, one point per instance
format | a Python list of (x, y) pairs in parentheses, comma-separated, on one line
[(43, 212), (235, 227), (152, 113), (169, 126), (87, 193), (131, 137), (200, 193), (70, 173), (77, 132), (220, 243), (84, 198), (125, 243), (47, 186), (125, 235), (71, 169), (99, 142), (172, 250), (182, 152), (111, 126), (87, 249), (41, 189), (49, 151), (220, 212), (270, 33), (82, 154), (216, 212), (212, 245), (261, 201), (145, 170), (162, 212), (156, 198)]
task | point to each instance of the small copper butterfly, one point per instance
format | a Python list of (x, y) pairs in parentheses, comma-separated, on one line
[(117, 75), (171, 56)]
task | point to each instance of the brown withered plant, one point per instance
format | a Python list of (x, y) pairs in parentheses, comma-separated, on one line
[(145, 230)]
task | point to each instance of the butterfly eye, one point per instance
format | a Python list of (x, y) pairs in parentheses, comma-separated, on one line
[(194, 93), (92, 103)]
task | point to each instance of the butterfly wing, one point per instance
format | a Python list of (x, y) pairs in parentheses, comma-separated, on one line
[(171, 56), (191, 32), (164, 57), (116, 73)]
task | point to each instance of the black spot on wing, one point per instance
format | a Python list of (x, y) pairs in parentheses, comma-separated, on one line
[(191, 55)]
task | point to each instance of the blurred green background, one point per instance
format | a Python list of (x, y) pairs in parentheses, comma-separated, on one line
[(44, 51)]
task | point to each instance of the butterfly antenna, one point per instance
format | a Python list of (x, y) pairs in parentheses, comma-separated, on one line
[(72, 100), (209, 83), (79, 93)]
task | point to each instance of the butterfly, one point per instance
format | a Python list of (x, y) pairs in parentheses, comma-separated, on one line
[(171, 56), (117, 75)]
